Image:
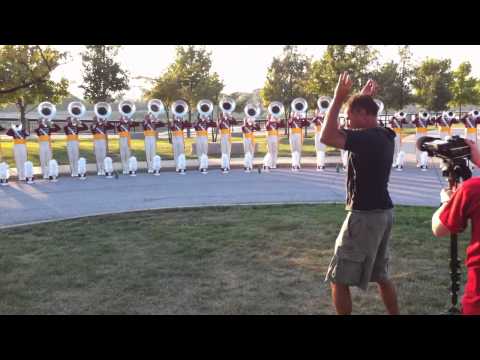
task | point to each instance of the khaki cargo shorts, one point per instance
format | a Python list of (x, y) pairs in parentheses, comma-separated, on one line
[(362, 249)]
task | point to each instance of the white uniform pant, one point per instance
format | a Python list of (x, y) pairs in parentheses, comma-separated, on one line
[(272, 146), (418, 152), (296, 144), (248, 146), (100, 147), (45, 156), (471, 136), (344, 156), (226, 145), (20, 153), (73, 154), (150, 150), (320, 149), (202, 146), (124, 152), (178, 148), (396, 148)]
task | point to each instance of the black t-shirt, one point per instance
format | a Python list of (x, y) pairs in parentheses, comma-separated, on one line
[(370, 160)]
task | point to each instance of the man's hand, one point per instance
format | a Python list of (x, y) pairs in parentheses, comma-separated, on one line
[(370, 88), (343, 87), (474, 151)]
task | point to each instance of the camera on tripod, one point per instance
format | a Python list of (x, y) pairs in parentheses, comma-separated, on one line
[(452, 148), (454, 151)]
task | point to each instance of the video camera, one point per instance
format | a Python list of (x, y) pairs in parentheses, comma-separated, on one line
[(454, 152)]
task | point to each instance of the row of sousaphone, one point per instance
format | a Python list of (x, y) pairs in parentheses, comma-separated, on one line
[(180, 108)]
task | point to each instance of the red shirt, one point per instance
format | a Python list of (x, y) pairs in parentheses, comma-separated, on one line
[(464, 205)]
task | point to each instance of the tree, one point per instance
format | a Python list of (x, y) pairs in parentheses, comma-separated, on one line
[(394, 91), (432, 82), (25, 73), (406, 71), (287, 78), (103, 77), (189, 77), (463, 87), (358, 60)]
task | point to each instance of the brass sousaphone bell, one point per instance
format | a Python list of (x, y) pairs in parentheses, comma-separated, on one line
[(47, 112), (76, 109)]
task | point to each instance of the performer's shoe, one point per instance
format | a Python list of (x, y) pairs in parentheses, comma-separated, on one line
[(225, 171), (182, 172), (156, 172), (399, 168), (150, 171), (320, 168), (423, 168), (125, 172), (132, 173), (99, 173)]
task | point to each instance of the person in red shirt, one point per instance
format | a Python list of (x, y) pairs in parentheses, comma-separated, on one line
[(452, 217)]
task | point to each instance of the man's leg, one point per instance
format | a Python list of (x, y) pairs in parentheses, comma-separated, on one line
[(389, 296), (342, 299)]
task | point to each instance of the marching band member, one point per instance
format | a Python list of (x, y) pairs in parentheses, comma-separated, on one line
[(204, 121), (177, 125), (323, 103), (296, 123), (276, 109), (225, 121), (126, 109), (73, 127), (150, 126), (99, 131), (396, 124), (47, 113), (248, 129), (421, 122), (445, 122), (471, 121), (19, 136)]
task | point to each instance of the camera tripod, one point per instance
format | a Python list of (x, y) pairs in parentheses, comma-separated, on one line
[(455, 170)]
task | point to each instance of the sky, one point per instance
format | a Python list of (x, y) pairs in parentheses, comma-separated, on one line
[(241, 67)]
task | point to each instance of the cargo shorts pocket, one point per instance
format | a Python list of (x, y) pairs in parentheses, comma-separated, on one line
[(348, 267)]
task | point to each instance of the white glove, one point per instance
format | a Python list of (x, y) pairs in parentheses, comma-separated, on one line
[(445, 195)]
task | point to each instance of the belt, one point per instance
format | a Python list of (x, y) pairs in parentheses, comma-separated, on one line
[(444, 129), (421, 130), (178, 133), (44, 138), (225, 131), (248, 136), (149, 132), (397, 130), (272, 132), (202, 133), (318, 128), (124, 134), (19, 141), (297, 130), (72, 137), (472, 130), (99, 136)]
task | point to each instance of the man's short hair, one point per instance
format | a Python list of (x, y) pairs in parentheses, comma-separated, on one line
[(363, 102)]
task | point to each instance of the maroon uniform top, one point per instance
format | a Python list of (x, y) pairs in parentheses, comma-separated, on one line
[(441, 121), (469, 122), (224, 122), (45, 130), (203, 125), (125, 126), (296, 122), (149, 123), (247, 128), (274, 125), (22, 134), (179, 125), (420, 123), (96, 128), (74, 129), (397, 123)]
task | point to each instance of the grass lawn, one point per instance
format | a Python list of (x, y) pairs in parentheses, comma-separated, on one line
[(164, 149), (234, 260)]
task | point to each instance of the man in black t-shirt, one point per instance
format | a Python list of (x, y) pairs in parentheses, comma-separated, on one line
[(361, 249)]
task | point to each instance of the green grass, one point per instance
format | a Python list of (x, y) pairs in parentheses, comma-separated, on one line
[(234, 260), (164, 149)]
